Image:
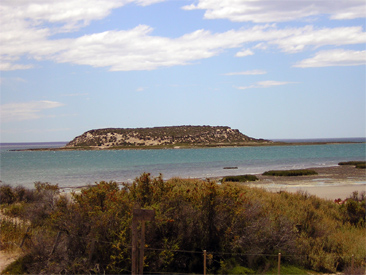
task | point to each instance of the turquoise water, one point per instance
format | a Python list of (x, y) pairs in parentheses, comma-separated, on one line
[(76, 168)]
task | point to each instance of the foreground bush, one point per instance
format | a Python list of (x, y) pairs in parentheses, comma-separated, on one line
[(290, 173), (242, 228)]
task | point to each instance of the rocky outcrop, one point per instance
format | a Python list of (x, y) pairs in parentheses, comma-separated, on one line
[(174, 135)]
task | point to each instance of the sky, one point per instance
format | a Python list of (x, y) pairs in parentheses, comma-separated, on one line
[(272, 69)]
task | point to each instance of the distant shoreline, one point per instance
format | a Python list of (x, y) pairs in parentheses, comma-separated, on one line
[(186, 146), (331, 182)]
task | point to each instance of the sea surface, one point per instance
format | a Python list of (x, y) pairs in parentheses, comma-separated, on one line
[(80, 168)]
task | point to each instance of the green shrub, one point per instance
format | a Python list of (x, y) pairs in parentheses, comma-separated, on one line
[(241, 270), (242, 228), (240, 178), (290, 173), (7, 195), (288, 269), (357, 164)]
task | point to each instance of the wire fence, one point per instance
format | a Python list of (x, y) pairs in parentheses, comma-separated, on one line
[(207, 256)]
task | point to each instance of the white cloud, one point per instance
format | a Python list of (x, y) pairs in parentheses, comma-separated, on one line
[(260, 11), (26, 110), (264, 84), (7, 80), (244, 52), (137, 49), (26, 33), (337, 57), (27, 25), (6, 66), (252, 72), (297, 39)]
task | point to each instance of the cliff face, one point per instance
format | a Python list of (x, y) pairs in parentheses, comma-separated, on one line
[(174, 135)]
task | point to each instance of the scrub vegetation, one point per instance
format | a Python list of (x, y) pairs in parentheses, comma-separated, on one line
[(240, 178), (290, 173), (357, 164), (243, 229)]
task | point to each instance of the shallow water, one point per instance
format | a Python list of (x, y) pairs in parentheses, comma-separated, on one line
[(75, 168)]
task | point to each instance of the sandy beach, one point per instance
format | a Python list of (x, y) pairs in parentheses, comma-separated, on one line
[(330, 183)]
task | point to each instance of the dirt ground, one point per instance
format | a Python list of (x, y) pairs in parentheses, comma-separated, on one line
[(7, 257)]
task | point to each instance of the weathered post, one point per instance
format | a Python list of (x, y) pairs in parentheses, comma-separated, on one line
[(138, 242), (279, 264), (134, 246), (56, 243), (142, 247), (26, 235), (91, 251), (204, 261), (352, 263)]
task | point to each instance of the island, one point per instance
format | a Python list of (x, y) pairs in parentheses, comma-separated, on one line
[(163, 137), (169, 137)]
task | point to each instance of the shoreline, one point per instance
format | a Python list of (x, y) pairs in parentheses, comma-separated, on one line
[(331, 182), (185, 146)]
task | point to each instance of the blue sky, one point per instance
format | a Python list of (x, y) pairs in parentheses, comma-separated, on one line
[(272, 69)]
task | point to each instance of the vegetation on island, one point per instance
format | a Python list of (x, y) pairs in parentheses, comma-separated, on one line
[(243, 229), (156, 137), (290, 173)]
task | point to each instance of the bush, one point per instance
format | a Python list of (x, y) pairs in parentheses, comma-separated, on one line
[(241, 178), (357, 164), (242, 228), (354, 209), (290, 173), (7, 195)]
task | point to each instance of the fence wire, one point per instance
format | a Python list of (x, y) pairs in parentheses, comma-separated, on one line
[(28, 234)]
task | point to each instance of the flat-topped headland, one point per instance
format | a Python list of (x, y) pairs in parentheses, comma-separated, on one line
[(170, 137), (160, 138)]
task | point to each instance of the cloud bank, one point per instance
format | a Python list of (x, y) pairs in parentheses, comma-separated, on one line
[(28, 28), (337, 57), (264, 84), (261, 11)]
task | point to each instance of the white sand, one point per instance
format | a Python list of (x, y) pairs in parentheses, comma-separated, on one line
[(330, 192)]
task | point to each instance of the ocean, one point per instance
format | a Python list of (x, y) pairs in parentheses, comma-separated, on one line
[(80, 168)]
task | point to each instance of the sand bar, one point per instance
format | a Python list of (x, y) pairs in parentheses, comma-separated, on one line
[(330, 183)]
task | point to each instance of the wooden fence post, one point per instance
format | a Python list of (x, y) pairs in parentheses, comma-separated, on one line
[(56, 242), (204, 261), (134, 246), (91, 251), (142, 247), (352, 263), (139, 215), (26, 235), (279, 264)]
